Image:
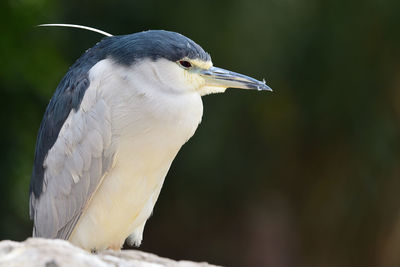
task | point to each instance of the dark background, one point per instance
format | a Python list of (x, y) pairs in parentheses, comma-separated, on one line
[(308, 175)]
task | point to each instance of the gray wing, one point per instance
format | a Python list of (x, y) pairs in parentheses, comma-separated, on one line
[(73, 168)]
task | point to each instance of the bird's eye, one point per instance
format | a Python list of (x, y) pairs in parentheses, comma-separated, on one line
[(185, 64)]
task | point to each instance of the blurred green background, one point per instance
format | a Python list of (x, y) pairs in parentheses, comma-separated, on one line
[(308, 175)]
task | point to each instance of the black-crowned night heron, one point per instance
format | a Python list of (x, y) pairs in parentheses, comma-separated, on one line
[(111, 131)]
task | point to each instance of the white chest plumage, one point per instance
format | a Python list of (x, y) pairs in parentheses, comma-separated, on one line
[(149, 127)]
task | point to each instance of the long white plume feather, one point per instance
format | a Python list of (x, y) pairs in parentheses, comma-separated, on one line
[(76, 26)]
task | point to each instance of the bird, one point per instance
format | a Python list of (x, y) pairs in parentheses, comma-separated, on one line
[(111, 131)]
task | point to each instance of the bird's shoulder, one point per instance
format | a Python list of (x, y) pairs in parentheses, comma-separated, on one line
[(68, 96), (72, 154)]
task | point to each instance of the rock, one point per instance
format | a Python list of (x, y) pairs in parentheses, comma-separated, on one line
[(41, 252)]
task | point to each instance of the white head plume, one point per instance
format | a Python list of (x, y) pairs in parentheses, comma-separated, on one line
[(76, 26)]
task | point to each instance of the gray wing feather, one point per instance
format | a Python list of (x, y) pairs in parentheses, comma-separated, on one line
[(74, 167)]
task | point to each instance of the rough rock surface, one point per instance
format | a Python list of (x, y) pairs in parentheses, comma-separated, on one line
[(59, 253)]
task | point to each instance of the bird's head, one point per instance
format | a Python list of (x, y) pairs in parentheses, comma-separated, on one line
[(175, 62)]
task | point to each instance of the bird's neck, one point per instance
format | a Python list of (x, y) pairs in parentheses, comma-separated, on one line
[(140, 108)]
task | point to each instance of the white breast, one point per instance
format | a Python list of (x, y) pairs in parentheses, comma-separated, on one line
[(149, 126)]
